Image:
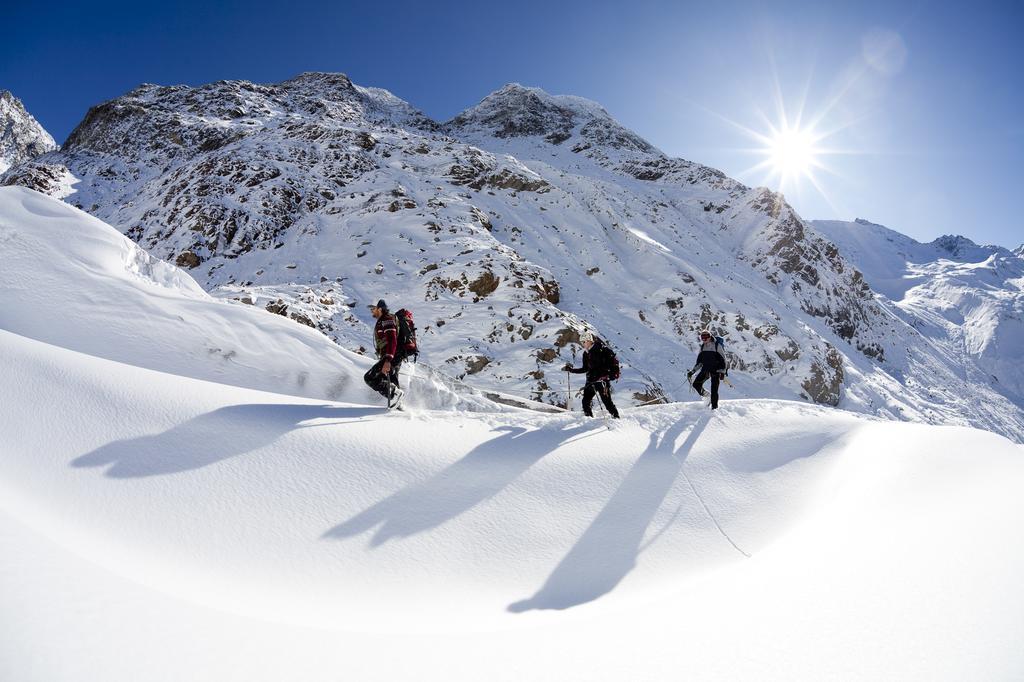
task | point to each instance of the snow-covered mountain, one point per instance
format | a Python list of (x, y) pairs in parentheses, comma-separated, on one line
[(21, 136), (507, 230), (966, 299)]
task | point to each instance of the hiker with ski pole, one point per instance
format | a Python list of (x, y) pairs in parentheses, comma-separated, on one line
[(711, 363), (601, 367)]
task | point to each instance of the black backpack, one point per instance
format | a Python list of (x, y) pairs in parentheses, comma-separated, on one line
[(406, 335), (612, 363)]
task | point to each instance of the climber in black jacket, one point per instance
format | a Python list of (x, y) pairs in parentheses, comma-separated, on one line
[(711, 363), (601, 367)]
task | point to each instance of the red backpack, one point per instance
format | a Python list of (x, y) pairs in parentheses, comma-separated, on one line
[(406, 335)]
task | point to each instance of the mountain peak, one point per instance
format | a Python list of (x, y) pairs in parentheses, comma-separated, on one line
[(518, 94), (322, 80), (866, 223), (183, 119), (21, 136), (519, 111), (952, 242)]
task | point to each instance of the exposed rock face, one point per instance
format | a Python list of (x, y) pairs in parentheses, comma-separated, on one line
[(512, 228), (826, 380), (21, 136), (49, 178)]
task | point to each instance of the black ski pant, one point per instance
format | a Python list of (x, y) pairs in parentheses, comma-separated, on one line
[(698, 384), (380, 382), (604, 389)]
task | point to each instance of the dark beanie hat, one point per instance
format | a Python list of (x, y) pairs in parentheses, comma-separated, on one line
[(381, 304)]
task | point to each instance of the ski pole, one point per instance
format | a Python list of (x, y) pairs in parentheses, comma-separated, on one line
[(689, 377), (568, 393)]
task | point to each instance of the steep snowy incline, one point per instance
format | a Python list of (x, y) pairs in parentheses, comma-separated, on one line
[(21, 136), (965, 298), (73, 281), (210, 532)]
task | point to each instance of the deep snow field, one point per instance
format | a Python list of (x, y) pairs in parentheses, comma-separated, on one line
[(165, 516)]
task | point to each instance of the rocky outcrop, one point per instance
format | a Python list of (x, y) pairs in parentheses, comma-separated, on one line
[(824, 385), (21, 136)]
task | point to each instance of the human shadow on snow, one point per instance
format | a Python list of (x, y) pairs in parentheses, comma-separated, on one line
[(210, 438), (482, 473), (608, 550)]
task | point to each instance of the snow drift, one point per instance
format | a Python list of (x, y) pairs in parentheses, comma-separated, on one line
[(258, 536)]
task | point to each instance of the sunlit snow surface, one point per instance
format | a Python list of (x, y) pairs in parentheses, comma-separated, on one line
[(165, 515)]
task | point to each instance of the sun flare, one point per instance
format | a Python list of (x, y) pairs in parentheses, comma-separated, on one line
[(792, 153), (794, 148)]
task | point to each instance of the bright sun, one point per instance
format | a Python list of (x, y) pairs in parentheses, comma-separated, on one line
[(792, 154), (791, 150)]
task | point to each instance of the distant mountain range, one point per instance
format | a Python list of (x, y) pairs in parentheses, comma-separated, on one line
[(527, 219)]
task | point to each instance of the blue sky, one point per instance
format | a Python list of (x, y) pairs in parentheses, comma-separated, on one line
[(921, 101)]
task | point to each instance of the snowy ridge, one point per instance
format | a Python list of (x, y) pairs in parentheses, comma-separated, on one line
[(21, 136), (508, 231), (966, 299)]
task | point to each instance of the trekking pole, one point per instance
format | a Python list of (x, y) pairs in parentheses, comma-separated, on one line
[(568, 383), (689, 377), (600, 398), (568, 392)]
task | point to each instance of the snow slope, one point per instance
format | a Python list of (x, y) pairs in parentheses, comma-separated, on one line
[(156, 525), (163, 528)]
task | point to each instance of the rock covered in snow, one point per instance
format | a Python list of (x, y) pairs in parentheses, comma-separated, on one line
[(21, 136)]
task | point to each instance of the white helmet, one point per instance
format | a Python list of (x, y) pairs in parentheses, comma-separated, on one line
[(586, 337)]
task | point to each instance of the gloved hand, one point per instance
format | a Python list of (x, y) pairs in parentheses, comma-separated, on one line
[(567, 367), (689, 375)]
